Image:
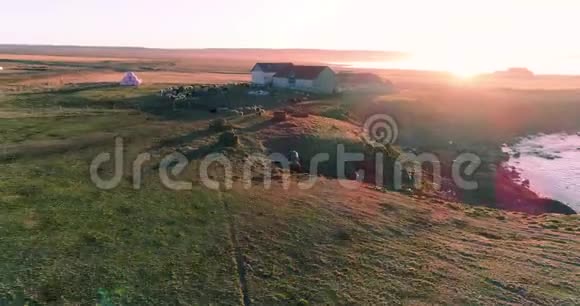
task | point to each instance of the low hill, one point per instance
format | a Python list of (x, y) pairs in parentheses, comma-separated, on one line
[(515, 73), (329, 245)]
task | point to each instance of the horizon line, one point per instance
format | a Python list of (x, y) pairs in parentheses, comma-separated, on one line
[(204, 48)]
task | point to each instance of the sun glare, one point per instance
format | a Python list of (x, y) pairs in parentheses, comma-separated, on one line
[(465, 74), (462, 67)]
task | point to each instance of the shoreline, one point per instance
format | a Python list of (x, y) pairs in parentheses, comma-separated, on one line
[(514, 178), (502, 186), (513, 193)]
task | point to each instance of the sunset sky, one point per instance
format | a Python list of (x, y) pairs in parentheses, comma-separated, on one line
[(462, 36)]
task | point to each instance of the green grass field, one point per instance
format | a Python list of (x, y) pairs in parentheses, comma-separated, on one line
[(63, 241)]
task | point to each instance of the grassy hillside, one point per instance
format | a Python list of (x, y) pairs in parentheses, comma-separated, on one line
[(327, 246), (64, 241)]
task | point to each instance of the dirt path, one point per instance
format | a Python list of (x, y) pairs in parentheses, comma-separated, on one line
[(238, 256), (50, 113), (41, 148)]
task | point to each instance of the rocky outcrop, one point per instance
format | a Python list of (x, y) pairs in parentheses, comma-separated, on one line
[(552, 206)]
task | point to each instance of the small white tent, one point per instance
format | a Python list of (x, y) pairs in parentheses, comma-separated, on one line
[(130, 79)]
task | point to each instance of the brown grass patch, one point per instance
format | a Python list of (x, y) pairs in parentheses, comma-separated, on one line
[(159, 77), (55, 58)]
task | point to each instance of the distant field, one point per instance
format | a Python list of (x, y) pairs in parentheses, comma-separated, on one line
[(248, 55), (22, 72), (55, 58), (239, 61), (162, 77)]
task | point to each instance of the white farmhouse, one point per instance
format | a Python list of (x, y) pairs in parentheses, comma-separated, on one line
[(319, 79), (263, 73)]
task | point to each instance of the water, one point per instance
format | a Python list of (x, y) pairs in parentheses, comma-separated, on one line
[(466, 66), (551, 163)]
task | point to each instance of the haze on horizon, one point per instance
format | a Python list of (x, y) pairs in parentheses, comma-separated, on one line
[(463, 37)]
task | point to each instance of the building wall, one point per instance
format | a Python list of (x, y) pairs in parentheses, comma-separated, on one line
[(280, 82), (326, 82), (258, 77), (262, 78), (268, 78), (304, 84)]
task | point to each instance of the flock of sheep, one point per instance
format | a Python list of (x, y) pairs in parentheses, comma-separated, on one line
[(240, 111), (178, 93), (184, 93)]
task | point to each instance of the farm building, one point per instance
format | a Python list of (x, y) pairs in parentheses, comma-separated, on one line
[(263, 73), (320, 79)]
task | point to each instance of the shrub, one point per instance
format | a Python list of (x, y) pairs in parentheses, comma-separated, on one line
[(220, 125), (229, 139)]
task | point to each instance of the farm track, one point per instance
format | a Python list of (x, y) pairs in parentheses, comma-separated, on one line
[(44, 147), (238, 256), (52, 113)]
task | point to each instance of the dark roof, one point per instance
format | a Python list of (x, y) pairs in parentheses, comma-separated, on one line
[(302, 72), (273, 67), (357, 78)]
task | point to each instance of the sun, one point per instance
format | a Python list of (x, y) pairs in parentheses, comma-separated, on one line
[(463, 65), (464, 74), (464, 68)]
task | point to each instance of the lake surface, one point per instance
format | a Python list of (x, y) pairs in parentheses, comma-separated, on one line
[(551, 163), (473, 66)]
